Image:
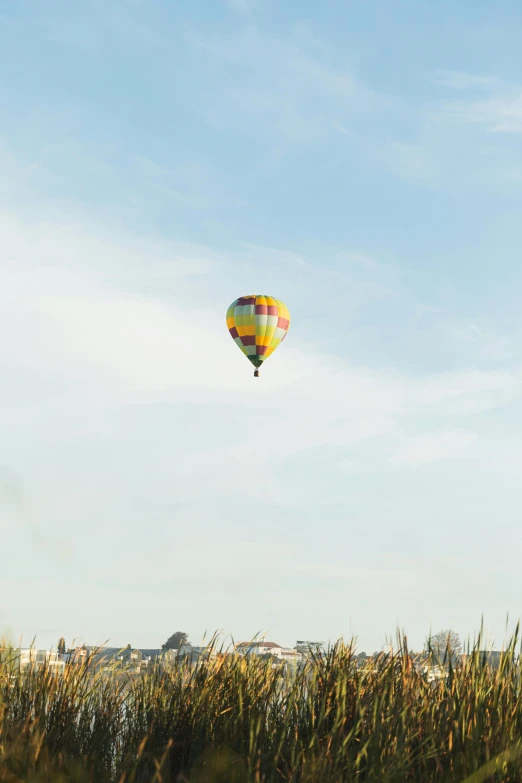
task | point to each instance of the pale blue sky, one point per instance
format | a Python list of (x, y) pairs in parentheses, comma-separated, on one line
[(362, 162)]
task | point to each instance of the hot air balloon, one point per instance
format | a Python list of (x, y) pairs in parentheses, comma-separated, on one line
[(258, 324)]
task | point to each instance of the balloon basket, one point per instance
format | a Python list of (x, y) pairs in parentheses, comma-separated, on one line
[(256, 374)]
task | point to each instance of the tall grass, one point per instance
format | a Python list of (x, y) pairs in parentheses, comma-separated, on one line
[(237, 720)]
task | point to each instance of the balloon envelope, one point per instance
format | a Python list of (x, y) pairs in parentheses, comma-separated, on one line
[(258, 324)]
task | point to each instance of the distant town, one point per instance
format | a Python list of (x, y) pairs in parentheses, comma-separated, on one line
[(441, 651)]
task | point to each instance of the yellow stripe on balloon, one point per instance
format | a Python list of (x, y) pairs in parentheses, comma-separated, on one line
[(246, 331)]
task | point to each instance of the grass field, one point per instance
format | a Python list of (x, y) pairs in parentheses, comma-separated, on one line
[(235, 720)]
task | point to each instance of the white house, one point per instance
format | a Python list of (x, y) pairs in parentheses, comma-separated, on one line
[(258, 648), (26, 657), (31, 657), (290, 655), (269, 648)]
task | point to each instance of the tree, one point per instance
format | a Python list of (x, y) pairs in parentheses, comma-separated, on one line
[(176, 641), (61, 646), (308, 648), (444, 645)]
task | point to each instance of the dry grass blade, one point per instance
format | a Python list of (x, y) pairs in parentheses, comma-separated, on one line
[(497, 764), (236, 718)]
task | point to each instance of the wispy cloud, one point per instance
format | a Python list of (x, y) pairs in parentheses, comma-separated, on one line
[(460, 80), (408, 161), (464, 334), (191, 183), (500, 113), (292, 158), (275, 83), (80, 327), (116, 352), (434, 447)]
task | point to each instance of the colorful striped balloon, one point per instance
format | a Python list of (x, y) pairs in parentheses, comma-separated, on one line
[(258, 324)]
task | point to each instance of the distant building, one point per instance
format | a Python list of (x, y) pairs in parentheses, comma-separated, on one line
[(258, 648), (78, 655), (128, 658), (26, 657), (150, 655), (291, 656), (111, 658), (491, 658), (30, 657), (287, 654), (195, 654)]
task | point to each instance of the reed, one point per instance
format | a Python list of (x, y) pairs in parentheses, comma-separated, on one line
[(236, 719)]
